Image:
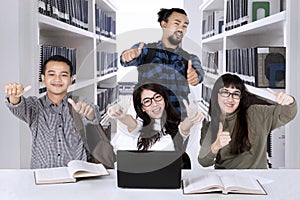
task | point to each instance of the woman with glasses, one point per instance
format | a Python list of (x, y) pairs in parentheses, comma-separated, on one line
[(158, 126), (236, 136)]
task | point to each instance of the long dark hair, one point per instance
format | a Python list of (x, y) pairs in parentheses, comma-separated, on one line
[(170, 119), (240, 137)]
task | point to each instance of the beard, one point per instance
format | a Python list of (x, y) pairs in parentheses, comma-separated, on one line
[(175, 38)]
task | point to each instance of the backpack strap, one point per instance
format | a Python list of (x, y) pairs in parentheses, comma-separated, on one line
[(94, 139)]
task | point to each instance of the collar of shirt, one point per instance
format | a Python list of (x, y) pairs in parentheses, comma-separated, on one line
[(160, 45), (49, 103)]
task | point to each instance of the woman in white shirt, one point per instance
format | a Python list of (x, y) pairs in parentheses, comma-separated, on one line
[(158, 126)]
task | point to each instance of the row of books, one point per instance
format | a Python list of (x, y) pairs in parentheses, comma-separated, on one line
[(74, 12), (212, 23), (107, 62), (241, 12), (238, 13), (105, 23), (105, 97), (258, 66), (211, 61), (206, 95), (48, 50)]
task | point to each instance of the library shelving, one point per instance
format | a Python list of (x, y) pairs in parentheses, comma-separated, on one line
[(229, 25)]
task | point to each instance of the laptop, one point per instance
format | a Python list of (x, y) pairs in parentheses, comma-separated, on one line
[(149, 169)]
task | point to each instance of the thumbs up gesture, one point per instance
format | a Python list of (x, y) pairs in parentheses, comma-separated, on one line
[(194, 116), (116, 111), (131, 54), (223, 139), (15, 91), (192, 76), (83, 108), (281, 98)]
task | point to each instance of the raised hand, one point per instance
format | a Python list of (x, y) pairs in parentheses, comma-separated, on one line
[(15, 91), (281, 97), (195, 116), (131, 54), (192, 76), (83, 108), (116, 111), (223, 139)]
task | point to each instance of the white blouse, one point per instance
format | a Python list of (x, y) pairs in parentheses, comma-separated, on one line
[(125, 140)]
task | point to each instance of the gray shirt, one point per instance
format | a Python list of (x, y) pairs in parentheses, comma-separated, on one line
[(55, 140)]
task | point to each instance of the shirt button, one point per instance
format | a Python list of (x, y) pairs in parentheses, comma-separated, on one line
[(59, 140), (58, 154), (59, 126)]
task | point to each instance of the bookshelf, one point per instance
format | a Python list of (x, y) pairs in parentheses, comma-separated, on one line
[(277, 29)]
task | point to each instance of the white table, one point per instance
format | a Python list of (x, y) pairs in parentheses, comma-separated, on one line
[(19, 185)]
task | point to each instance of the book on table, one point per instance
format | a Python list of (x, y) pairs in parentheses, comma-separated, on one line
[(224, 183), (75, 169)]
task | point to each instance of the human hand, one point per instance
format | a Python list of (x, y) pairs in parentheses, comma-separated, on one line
[(131, 54), (116, 111), (15, 91), (194, 116), (83, 108), (192, 76), (223, 139), (281, 97)]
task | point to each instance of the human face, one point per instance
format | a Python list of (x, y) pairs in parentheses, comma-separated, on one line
[(57, 78), (156, 109), (229, 99), (175, 28)]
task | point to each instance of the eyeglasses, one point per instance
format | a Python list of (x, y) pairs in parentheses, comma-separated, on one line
[(234, 95), (148, 101)]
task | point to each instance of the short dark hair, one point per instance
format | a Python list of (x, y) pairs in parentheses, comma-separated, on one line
[(164, 13), (57, 58)]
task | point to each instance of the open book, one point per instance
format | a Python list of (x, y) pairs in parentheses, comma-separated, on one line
[(225, 183), (76, 169)]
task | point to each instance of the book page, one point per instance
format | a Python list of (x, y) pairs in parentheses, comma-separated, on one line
[(79, 168), (203, 184), (241, 184), (53, 175)]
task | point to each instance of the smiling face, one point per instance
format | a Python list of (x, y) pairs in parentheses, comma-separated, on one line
[(175, 28), (152, 103), (229, 99), (57, 79)]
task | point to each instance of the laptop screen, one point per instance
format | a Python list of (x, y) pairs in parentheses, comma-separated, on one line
[(148, 169)]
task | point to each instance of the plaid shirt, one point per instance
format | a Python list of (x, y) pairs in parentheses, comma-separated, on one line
[(55, 140), (169, 68)]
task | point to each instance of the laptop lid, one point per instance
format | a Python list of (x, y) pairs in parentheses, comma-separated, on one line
[(148, 169)]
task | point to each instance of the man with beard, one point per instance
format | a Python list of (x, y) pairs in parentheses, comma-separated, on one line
[(165, 62)]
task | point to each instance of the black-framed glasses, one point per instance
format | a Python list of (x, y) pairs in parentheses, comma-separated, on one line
[(226, 94), (148, 101)]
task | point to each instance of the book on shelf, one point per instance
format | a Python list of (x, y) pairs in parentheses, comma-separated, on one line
[(223, 183), (74, 12), (75, 169)]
